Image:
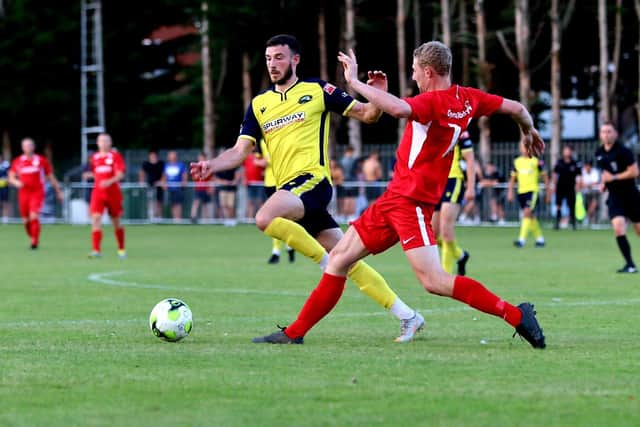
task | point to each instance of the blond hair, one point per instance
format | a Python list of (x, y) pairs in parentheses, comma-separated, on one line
[(434, 54)]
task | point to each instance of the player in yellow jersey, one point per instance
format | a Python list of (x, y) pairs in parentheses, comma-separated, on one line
[(527, 172), (446, 212), (269, 189), (292, 116)]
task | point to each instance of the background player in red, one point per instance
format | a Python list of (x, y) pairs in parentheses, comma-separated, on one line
[(436, 117), (107, 169), (27, 174)]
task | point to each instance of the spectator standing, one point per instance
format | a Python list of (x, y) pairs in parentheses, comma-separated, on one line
[(174, 180), (227, 185), (491, 184), (151, 174), (337, 177), (590, 190), (254, 166), (4, 189), (372, 174), (202, 197), (347, 203), (566, 178)]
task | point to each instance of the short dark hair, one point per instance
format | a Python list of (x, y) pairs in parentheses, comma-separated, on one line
[(286, 40), (609, 123)]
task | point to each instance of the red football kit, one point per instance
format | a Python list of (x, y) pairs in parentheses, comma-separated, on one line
[(31, 171), (105, 166), (423, 161)]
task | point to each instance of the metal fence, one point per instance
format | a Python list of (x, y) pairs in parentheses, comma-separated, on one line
[(139, 200)]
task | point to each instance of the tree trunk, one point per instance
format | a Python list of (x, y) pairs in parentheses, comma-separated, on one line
[(247, 93), (402, 59), (613, 83), (464, 36), (324, 73), (522, 46), (445, 17), (605, 111), (208, 146), (417, 24), (355, 132), (556, 92), (483, 80)]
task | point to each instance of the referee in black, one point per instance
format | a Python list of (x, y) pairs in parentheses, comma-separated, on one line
[(567, 173), (619, 173)]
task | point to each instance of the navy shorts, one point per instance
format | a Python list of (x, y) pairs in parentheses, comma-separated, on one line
[(176, 197), (528, 200), (316, 193), (453, 192)]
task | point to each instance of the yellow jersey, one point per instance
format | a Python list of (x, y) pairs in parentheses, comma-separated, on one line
[(461, 147), (527, 171), (295, 126), (269, 179)]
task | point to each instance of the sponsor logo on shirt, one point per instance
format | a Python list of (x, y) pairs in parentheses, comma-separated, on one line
[(104, 169), (304, 99), (460, 114), (29, 169), (283, 121), (329, 88)]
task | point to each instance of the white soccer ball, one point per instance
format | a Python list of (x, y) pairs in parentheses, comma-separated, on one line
[(171, 320)]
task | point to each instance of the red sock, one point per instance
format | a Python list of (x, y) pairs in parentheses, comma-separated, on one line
[(35, 231), (120, 237), (321, 301), (96, 238), (27, 227), (477, 296)]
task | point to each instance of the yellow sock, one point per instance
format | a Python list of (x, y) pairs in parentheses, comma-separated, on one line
[(535, 228), (524, 228), (448, 257), (275, 245), (294, 235), (372, 284), (457, 250)]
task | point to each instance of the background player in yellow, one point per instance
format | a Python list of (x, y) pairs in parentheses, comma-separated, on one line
[(292, 116), (446, 212), (527, 172)]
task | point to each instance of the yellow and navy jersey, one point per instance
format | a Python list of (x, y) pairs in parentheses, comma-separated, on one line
[(269, 180), (527, 171), (461, 147), (295, 126)]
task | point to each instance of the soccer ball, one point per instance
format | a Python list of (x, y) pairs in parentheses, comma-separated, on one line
[(171, 320)]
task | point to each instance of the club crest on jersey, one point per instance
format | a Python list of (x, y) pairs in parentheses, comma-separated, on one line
[(329, 88), (109, 161), (283, 121), (304, 99), (460, 114)]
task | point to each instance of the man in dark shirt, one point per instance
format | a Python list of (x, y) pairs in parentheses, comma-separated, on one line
[(151, 174), (566, 174), (619, 173)]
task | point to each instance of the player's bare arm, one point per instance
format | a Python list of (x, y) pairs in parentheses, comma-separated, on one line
[(119, 176), (229, 159), (367, 112), (470, 160), (382, 99), (631, 172), (531, 137), (13, 180), (56, 186), (512, 182)]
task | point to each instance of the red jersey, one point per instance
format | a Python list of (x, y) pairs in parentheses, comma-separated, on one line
[(425, 152), (252, 172), (105, 166), (31, 171)]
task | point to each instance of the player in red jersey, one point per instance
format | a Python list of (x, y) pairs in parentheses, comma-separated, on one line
[(435, 119), (107, 168), (27, 174)]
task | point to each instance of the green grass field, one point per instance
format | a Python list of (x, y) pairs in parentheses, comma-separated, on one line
[(76, 349)]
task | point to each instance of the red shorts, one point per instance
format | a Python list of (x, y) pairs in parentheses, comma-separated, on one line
[(30, 201), (392, 218), (100, 201)]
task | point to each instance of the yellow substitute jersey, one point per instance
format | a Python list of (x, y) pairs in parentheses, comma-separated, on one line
[(527, 171), (461, 147), (269, 179), (295, 126)]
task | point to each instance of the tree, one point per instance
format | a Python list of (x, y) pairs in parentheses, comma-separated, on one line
[(637, 5), (445, 17), (349, 36), (209, 143), (557, 26), (607, 87), (401, 49), (484, 77)]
